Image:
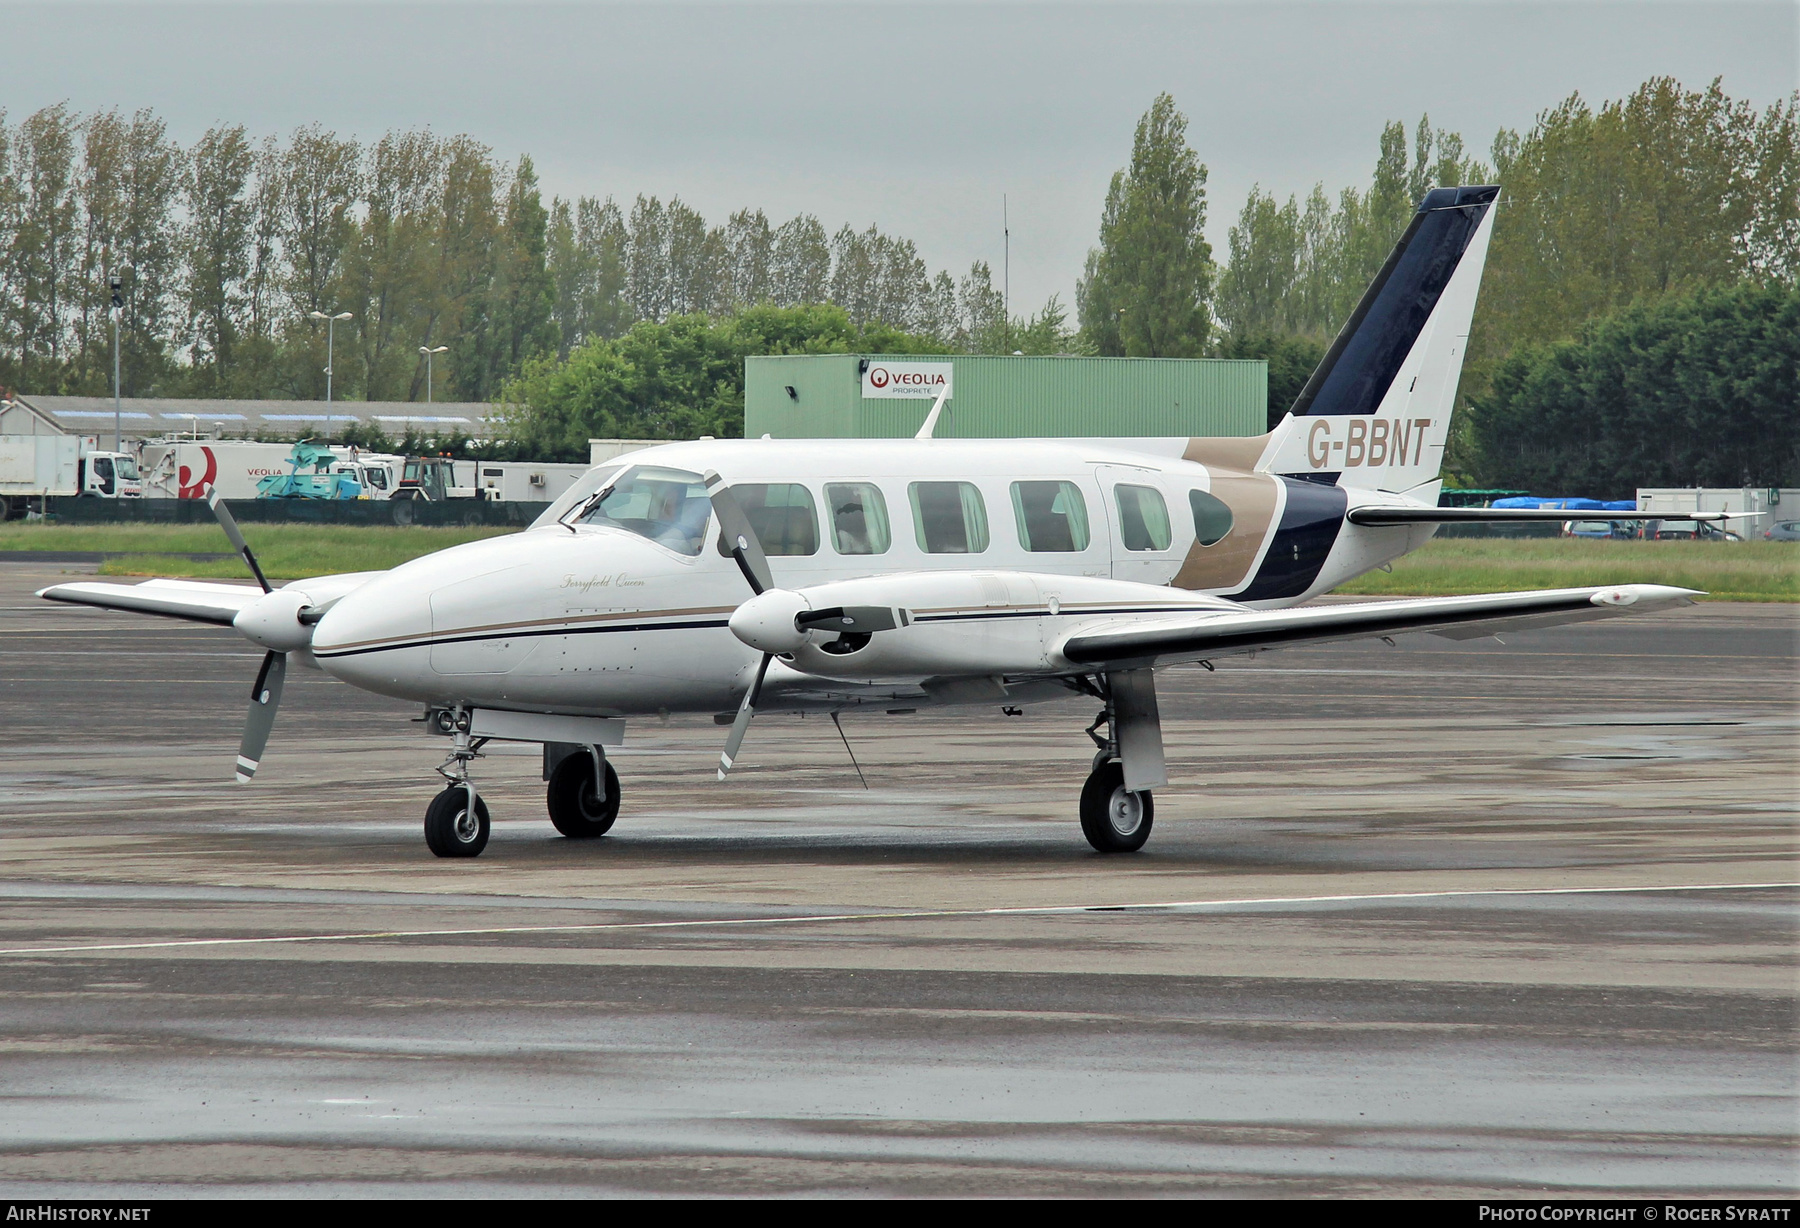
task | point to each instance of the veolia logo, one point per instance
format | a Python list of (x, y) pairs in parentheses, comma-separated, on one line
[(924, 380)]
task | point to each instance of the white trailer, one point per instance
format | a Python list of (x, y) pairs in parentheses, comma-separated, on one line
[(40, 466), (520, 482)]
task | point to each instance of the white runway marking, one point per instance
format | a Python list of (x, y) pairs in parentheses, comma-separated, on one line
[(921, 914)]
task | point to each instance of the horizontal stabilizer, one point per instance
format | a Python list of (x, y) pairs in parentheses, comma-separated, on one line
[(1373, 516)]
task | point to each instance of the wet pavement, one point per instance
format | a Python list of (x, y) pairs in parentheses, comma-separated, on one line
[(1443, 918)]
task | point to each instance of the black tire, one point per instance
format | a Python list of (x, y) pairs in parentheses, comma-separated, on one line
[(575, 810), (1107, 811), (448, 833)]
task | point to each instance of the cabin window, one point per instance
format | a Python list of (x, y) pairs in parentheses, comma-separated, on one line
[(1052, 517), (1212, 517), (1143, 518), (949, 517), (859, 519), (783, 515), (668, 506)]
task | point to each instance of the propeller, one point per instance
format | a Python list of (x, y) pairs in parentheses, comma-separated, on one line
[(773, 620), (229, 524), (265, 696), (740, 539)]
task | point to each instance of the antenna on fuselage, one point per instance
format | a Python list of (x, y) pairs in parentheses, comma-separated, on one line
[(931, 419)]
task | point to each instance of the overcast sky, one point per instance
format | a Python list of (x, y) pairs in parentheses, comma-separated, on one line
[(914, 117)]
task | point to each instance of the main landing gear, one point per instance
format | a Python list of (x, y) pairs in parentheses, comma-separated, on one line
[(579, 809), (582, 795), (1117, 810)]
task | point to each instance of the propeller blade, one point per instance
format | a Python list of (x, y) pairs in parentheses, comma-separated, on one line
[(862, 619), (265, 697), (741, 725), (238, 543), (740, 538)]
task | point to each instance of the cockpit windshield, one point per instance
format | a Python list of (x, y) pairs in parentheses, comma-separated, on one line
[(576, 495), (668, 506)]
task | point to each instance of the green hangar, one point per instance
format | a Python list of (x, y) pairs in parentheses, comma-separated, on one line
[(886, 396)]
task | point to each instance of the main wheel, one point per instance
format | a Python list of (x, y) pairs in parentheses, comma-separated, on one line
[(575, 809), (1113, 819), (451, 830)]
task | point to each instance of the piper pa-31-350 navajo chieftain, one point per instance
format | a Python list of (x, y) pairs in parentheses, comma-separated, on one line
[(834, 575)]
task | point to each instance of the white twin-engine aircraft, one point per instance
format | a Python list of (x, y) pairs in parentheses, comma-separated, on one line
[(827, 576)]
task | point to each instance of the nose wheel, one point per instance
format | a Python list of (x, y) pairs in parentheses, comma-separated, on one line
[(456, 823)]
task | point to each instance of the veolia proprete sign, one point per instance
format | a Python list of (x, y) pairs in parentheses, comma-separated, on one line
[(921, 380)]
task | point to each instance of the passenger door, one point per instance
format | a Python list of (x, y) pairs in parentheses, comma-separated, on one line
[(1143, 550)]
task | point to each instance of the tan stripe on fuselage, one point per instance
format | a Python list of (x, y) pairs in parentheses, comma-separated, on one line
[(1225, 565)]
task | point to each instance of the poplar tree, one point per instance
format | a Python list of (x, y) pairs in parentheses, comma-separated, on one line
[(1148, 286)]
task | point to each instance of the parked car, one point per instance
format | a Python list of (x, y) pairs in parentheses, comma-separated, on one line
[(1783, 531), (1600, 528), (1689, 530)]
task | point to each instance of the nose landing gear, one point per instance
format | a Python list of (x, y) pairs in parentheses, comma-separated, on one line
[(456, 822)]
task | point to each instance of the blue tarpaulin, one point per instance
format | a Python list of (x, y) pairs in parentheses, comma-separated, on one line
[(1568, 505)]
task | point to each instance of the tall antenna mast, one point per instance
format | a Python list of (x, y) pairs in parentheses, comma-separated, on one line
[(1005, 276)]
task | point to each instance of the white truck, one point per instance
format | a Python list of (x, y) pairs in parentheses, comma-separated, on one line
[(33, 467), (184, 468)]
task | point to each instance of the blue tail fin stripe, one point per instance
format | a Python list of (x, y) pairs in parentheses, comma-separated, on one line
[(1362, 362)]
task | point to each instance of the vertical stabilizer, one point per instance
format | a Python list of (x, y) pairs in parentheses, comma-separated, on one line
[(1376, 413)]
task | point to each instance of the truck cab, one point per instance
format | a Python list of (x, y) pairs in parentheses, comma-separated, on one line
[(432, 478), (108, 475)]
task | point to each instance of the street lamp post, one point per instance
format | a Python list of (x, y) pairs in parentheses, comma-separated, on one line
[(118, 304), (428, 352), (330, 325)]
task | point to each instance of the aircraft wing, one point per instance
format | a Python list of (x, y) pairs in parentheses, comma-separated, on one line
[(1193, 637), (194, 600)]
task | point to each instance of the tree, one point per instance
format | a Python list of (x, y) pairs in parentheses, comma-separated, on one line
[(218, 249), (513, 319), (1257, 289), (1291, 358), (751, 244), (387, 274), (1694, 389), (46, 240), (1147, 287), (148, 252), (800, 266)]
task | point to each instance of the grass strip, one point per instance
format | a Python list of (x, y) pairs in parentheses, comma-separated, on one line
[(1743, 571), (1725, 571), (291, 551)]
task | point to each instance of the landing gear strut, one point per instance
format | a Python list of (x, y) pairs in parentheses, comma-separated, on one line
[(1113, 818), (456, 822)]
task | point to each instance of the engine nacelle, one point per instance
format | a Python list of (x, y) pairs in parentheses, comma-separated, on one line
[(971, 623)]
